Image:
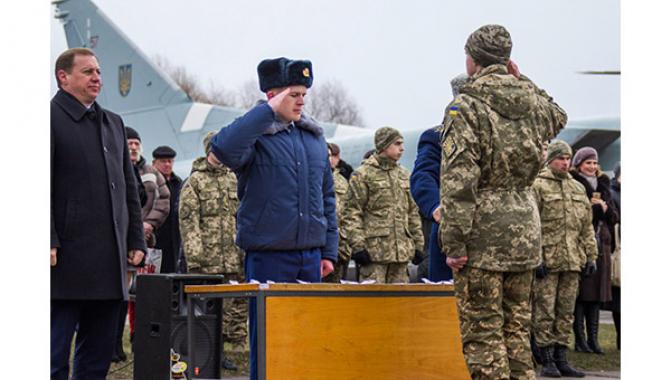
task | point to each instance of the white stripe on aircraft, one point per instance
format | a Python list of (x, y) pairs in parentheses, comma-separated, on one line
[(348, 131), (196, 117)]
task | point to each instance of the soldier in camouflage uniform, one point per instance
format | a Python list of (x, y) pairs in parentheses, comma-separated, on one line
[(207, 208), (343, 250), (491, 153), (381, 220), (568, 245)]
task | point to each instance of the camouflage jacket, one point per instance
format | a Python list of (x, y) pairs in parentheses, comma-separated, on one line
[(380, 214), (341, 189), (491, 153), (207, 207), (568, 239)]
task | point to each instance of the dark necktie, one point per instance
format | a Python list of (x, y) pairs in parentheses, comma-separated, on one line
[(91, 114)]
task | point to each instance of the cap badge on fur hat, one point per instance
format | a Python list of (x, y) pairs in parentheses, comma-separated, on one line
[(284, 72)]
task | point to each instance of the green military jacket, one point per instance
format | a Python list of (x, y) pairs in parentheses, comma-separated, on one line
[(341, 189), (207, 208), (491, 153), (568, 239), (380, 214)]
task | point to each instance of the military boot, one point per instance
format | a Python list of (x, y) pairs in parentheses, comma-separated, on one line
[(592, 323), (578, 329), (561, 359), (227, 364), (548, 367)]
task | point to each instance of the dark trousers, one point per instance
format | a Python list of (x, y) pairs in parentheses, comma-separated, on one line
[(95, 324), (277, 266), (438, 269)]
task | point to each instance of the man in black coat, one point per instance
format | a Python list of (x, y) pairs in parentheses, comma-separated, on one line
[(96, 228), (167, 236)]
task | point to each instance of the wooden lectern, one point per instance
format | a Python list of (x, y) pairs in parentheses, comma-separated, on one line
[(337, 331)]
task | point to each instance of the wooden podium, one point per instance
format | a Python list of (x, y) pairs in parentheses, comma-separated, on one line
[(336, 331)]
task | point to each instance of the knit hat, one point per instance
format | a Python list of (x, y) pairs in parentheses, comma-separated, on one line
[(557, 149), (384, 137), (583, 154), (164, 151), (207, 141), (457, 83), (132, 134), (489, 45), (283, 72)]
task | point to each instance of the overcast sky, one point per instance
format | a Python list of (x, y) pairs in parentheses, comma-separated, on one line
[(395, 58)]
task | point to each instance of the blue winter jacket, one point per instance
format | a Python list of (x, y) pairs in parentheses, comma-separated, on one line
[(285, 185), (424, 184)]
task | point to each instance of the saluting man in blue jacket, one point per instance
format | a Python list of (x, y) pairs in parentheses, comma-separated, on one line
[(286, 221)]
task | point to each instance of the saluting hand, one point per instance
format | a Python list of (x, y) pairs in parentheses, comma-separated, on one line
[(513, 69), (135, 257), (277, 99), (53, 257)]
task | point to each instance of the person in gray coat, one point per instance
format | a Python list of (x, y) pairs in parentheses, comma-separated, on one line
[(96, 228)]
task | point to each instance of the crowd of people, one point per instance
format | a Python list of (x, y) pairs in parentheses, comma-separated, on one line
[(525, 230)]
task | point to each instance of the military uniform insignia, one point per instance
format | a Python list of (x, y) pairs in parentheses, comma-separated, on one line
[(305, 72), (453, 111), (449, 145), (125, 79)]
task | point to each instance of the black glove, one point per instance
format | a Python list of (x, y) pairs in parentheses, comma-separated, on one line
[(590, 268), (362, 257), (541, 271), (418, 257)]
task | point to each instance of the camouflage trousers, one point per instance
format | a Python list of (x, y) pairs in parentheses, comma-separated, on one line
[(234, 324), (388, 273), (553, 307), (494, 312), (339, 272)]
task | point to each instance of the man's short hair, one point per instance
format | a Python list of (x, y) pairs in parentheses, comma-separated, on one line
[(65, 60)]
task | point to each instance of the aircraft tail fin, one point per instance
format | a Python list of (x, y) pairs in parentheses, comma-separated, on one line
[(131, 80)]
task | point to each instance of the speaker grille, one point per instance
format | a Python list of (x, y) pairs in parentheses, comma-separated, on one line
[(205, 342)]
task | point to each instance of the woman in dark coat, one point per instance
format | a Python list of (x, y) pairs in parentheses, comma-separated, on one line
[(595, 289)]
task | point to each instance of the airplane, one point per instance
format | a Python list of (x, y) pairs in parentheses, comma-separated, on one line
[(152, 103)]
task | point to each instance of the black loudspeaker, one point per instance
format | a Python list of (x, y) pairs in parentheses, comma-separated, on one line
[(160, 326)]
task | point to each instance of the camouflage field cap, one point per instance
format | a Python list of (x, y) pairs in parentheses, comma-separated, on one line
[(489, 45), (557, 149), (385, 136), (207, 141)]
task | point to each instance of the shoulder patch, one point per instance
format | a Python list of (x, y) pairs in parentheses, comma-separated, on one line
[(449, 145)]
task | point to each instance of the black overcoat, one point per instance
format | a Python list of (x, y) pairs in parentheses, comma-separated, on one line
[(598, 287), (168, 238), (95, 210)]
